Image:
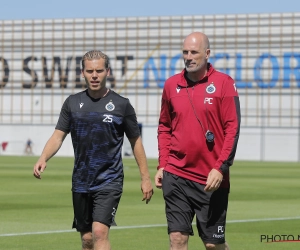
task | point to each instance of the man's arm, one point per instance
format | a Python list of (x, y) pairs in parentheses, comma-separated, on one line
[(164, 133), (164, 138), (52, 146), (140, 157), (231, 117)]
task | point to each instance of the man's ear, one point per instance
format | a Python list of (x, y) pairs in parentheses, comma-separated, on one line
[(82, 74), (108, 71), (207, 53)]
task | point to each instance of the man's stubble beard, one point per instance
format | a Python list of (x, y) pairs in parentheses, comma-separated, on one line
[(197, 68)]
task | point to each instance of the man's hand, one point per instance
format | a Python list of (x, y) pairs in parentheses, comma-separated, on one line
[(147, 190), (214, 180), (158, 178), (39, 168)]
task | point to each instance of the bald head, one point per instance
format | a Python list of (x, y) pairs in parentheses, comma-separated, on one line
[(196, 52), (198, 40)]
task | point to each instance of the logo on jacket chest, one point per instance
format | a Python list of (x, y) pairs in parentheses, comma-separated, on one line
[(110, 106), (210, 88), (208, 100)]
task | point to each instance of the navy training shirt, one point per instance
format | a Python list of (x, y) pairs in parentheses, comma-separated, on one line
[(97, 128)]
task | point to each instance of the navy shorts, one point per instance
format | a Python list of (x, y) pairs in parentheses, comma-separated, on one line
[(99, 206), (184, 199)]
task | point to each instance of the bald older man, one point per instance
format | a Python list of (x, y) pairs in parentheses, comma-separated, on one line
[(198, 133)]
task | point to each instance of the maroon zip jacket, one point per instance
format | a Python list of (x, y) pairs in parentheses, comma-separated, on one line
[(188, 110)]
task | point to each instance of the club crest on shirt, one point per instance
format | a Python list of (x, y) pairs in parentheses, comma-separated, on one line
[(110, 106), (211, 88), (178, 89)]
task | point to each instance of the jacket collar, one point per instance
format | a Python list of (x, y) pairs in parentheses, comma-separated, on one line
[(183, 82)]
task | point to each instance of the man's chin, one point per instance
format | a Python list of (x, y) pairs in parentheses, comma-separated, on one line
[(95, 88), (191, 70)]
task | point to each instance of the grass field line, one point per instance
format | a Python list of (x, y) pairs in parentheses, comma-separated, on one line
[(147, 226)]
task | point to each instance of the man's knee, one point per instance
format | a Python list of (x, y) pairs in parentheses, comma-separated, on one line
[(87, 240), (210, 246), (100, 232), (178, 239)]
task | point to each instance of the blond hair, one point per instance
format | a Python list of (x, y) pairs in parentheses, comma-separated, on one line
[(95, 54)]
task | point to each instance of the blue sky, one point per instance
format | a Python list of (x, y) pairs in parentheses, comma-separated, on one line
[(48, 9)]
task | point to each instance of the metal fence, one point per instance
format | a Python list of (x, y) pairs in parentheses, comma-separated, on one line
[(40, 63)]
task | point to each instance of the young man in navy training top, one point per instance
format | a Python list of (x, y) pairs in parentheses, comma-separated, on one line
[(97, 119), (198, 133)]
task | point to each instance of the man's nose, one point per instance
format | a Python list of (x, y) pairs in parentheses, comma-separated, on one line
[(189, 56), (94, 74)]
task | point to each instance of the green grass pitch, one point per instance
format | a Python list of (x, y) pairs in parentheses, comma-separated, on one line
[(37, 214)]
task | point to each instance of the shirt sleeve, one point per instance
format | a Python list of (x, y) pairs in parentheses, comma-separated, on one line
[(164, 131), (63, 123), (231, 119), (131, 126)]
